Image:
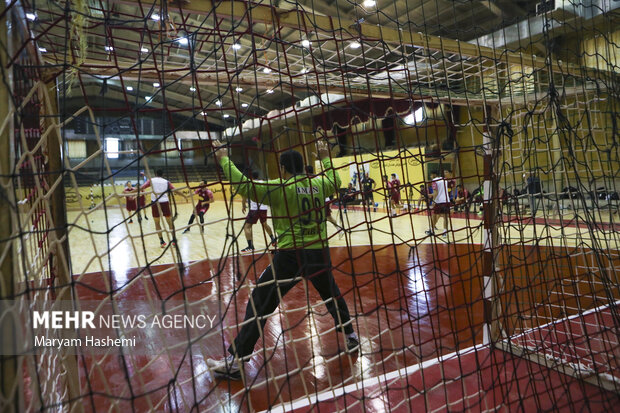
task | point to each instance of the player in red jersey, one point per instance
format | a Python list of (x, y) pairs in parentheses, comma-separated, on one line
[(205, 198), (257, 212), (131, 203), (395, 183), (388, 194), (130, 200)]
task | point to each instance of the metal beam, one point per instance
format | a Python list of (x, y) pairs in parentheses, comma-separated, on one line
[(93, 90), (562, 20), (239, 10)]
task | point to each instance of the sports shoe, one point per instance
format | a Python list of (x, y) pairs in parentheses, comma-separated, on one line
[(247, 249), (131, 221), (163, 243), (353, 344), (227, 368), (186, 230), (429, 232)]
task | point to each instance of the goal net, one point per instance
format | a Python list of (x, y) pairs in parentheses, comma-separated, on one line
[(509, 300)]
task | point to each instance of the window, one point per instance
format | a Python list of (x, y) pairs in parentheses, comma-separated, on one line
[(112, 146), (76, 149), (416, 117), (170, 148)]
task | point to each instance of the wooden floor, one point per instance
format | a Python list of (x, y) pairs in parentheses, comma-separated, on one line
[(413, 298), (99, 244)]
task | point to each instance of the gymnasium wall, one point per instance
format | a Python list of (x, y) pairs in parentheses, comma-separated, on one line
[(86, 197)]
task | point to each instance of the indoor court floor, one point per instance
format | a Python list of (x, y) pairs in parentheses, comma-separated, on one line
[(124, 247), (426, 303)]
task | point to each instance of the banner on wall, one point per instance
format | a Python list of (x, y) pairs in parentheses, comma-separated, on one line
[(87, 196), (406, 163)]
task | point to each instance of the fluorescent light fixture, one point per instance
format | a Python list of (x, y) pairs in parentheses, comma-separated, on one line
[(305, 43), (236, 46), (355, 45), (108, 48), (267, 70), (369, 3), (183, 41), (155, 16), (239, 89), (244, 105), (270, 91), (218, 102), (31, 16), (192, 89), (226, 115), (148, 98), (42, 50), (156, 84), (129, 88), (144, 50)]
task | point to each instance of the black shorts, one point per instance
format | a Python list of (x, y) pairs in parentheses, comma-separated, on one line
[(369, 196)]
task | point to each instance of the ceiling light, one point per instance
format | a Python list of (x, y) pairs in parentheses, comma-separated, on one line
[(42, 50), (155, 16), (304, 71), (369, 3), (270, 91), (355, 45), (183, 41), (108, 48), (192, 89), (31, 16), (203, 113), (305, 43), (244, 105), (144, 50), (218, 102), (267, 70), (226, 115), (156, 84), (236, 46), (239, 89), (129, 88), (148, 98)]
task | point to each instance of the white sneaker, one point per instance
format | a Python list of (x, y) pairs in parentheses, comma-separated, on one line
[(227, 368)]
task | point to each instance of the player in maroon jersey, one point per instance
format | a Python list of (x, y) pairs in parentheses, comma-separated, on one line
[(130, 201), (395, 194), (205, 198)]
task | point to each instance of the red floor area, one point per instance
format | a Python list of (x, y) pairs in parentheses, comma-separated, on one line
[(474, 381), (408, 305)]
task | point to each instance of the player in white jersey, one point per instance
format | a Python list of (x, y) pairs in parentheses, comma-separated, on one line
[(257, 212), (160, 203), (441, 202)]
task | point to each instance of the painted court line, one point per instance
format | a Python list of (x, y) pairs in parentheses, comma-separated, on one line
[(572, 317), (371, 381)]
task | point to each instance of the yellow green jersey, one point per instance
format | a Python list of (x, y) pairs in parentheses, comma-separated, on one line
[(297, 204)]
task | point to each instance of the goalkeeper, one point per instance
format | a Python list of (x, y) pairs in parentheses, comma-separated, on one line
[(298, 205)]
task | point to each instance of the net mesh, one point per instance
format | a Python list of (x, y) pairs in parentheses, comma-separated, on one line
[(513, 307)]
